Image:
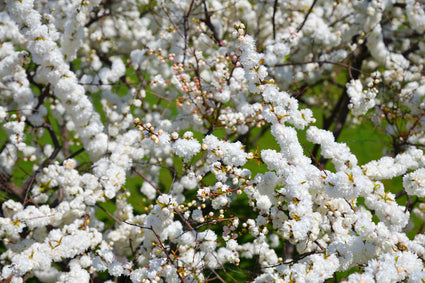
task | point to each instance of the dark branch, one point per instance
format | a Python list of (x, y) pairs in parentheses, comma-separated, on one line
[(306, 16)]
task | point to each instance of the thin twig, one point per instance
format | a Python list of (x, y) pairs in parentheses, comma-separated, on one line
[(112, 216), (72, 155), (59, 199), (149, 181), (317, 162), (28, 184), (306, 16), (317, 62), (209, 24)]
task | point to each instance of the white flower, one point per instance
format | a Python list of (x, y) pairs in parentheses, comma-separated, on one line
[(361, 100), (263, 202), (414, 183), (186, 148)]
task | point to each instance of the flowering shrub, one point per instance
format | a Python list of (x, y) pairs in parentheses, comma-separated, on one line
[(134, 140)]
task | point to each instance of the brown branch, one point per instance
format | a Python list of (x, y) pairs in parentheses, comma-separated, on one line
[(57, 201), (209, 24), (297, 258), (72, 155), (273, 19), (188, 225), (217, 276), (116, 218), (318, 62), (306, 16), (340, 111), (10, 187), (314, 158), (354, 74), (42, 96), (160, 243), (288, 250), (148, 181), (65, 140), (28, 184)]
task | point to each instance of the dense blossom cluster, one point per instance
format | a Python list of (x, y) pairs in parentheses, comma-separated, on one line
[(175, 140)]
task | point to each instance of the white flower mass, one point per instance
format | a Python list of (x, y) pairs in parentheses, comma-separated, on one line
[(199, 140)]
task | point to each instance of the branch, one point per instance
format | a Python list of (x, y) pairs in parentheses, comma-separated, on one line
[(149, 181), (306, 16), (72, 155), (28, 184), (296, 258), (9, 187), (273, 19), (314, 158), (65, 140), (160, 244), (318, 62), (57, 201), (209, 24)]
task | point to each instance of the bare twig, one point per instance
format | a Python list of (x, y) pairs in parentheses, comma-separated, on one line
[(148, 181), (306, 16), (28, 184), (72, 155), (273, 19), (57, 201), (318, 62), (209, 24), (10, 187), (116, 218), (65, 140), (314, 158)]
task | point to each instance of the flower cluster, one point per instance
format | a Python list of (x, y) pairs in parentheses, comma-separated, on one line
[(198, 140)]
